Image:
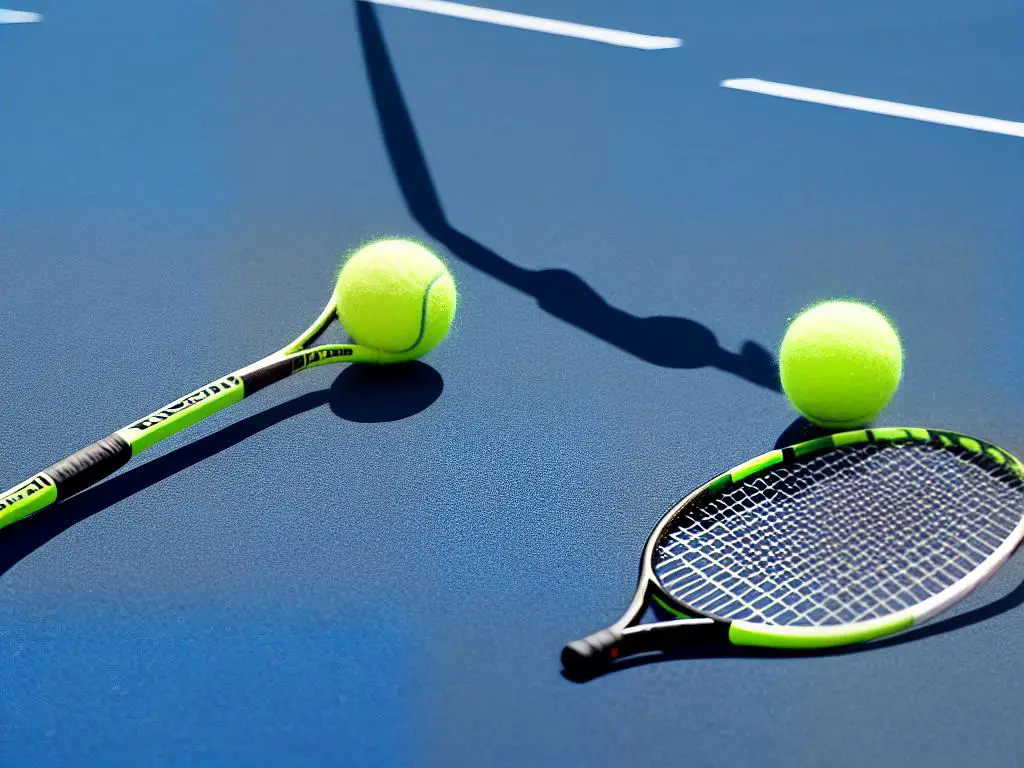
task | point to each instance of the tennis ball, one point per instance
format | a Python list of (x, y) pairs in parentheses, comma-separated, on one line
[(396, 296), (840, 362)]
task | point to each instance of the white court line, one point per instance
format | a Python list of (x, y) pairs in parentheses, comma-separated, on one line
[(536, 24), (891, 108), (19, 17)]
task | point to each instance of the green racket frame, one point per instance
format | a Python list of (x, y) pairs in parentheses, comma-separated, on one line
[(104, 457), (628, 637)]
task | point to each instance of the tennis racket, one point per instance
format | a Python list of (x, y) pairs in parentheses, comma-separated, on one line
[(104, 457), (834, 541)]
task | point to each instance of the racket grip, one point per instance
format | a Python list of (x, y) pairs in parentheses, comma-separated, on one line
[(589, 656), (65, 478)]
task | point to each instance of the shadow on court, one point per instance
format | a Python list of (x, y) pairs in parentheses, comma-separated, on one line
[(671, 342), (366, 394), (800, 431)]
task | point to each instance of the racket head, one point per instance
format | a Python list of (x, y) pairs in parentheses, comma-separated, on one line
[(838, 540)]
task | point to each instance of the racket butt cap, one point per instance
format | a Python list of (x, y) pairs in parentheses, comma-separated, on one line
[(589, 656)]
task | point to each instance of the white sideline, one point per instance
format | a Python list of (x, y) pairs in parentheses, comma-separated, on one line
[(879, 107), (19, 17), (536, 24)]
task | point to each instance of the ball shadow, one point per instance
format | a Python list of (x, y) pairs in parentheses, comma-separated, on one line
[(800, 431), (370, 394)]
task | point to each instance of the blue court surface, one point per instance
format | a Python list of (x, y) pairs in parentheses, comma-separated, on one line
[(366, 567)]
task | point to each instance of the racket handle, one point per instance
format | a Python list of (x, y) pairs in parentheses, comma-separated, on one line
[(104, 457), (65, 478), (589, 656), (595, 653)]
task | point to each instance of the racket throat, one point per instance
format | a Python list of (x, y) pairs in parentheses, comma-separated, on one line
[(646, 638)]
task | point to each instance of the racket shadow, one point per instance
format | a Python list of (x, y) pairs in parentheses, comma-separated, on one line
[(670, 342), (366, 394), (1004, 604)]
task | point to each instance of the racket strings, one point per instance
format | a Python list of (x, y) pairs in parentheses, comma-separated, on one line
[(849, 535)]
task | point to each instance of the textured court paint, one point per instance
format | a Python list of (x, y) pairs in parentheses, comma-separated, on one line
[(877, 106), (599, 440), (211, 666), (537, 24), (27, 498), (182, 413), (767, 636)]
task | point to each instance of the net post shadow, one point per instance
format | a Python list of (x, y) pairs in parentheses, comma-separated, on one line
[(669, 342)]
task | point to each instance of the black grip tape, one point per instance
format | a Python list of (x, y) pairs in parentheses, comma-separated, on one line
[(264, 377), (589, 656), (89, 465)]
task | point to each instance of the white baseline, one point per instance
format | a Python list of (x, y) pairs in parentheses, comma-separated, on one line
[(536, 24), (879, 107)]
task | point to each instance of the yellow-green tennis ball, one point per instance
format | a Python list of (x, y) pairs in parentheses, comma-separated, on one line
[(840, 362), (396, 296)]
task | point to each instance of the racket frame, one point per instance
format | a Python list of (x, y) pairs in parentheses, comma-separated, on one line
[(107, 455), (694, 626)]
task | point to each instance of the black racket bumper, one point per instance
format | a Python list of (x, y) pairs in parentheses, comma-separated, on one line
[(591, 655), (596, 653)]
